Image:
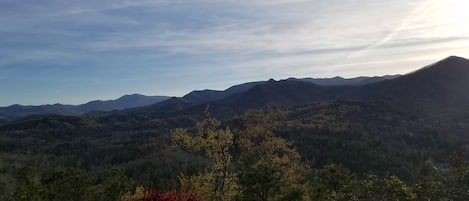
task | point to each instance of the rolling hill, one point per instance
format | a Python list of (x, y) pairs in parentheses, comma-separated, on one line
[(124, 102)]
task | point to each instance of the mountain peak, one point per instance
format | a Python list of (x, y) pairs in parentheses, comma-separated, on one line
[(442, 83), (131, 95), (454, 57), (452, 60), (453, 64)]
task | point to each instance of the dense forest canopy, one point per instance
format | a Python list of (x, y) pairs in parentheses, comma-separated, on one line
[(399, 139)]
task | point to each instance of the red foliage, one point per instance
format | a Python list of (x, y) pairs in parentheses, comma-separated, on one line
[(153, 195)]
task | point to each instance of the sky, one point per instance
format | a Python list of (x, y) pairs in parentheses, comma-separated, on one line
[(75, 51)]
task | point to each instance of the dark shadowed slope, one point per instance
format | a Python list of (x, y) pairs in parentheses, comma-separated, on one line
[(436, 90), (205, 96), (124, 102), (280, 94), (440, 89)]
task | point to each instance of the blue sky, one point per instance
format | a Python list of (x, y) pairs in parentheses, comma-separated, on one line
[(75, 51)]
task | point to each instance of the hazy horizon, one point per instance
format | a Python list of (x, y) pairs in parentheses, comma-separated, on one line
[(181, 95), (77, 51)]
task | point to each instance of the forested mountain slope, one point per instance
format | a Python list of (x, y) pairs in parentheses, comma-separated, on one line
[(408, 126)]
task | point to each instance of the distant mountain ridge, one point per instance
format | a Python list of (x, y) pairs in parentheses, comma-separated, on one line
[(439, 90), (124, 102), (340, 81), (435, 90), (207, 95)]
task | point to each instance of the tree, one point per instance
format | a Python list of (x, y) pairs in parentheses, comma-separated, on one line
[(387, 189), (267, 162), (72, 184), (429, 190), (457, 180), (115, 184), (30, 189), (397, 190), (138, 194), (214, 142), (371, 188), (334, 182), (261, 182)]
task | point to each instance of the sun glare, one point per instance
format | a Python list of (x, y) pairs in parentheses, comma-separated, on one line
[(452, 16), (446, 21)]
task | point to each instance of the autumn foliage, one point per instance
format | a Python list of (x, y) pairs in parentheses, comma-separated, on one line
[(153, 195)]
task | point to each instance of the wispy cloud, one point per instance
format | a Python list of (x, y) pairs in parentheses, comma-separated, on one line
[(404, 24), (149, 44)]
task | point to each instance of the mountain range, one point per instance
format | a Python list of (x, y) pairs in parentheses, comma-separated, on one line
[(207, 95), (194, 98), (437, 87), (436, 90), (124, 102)]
